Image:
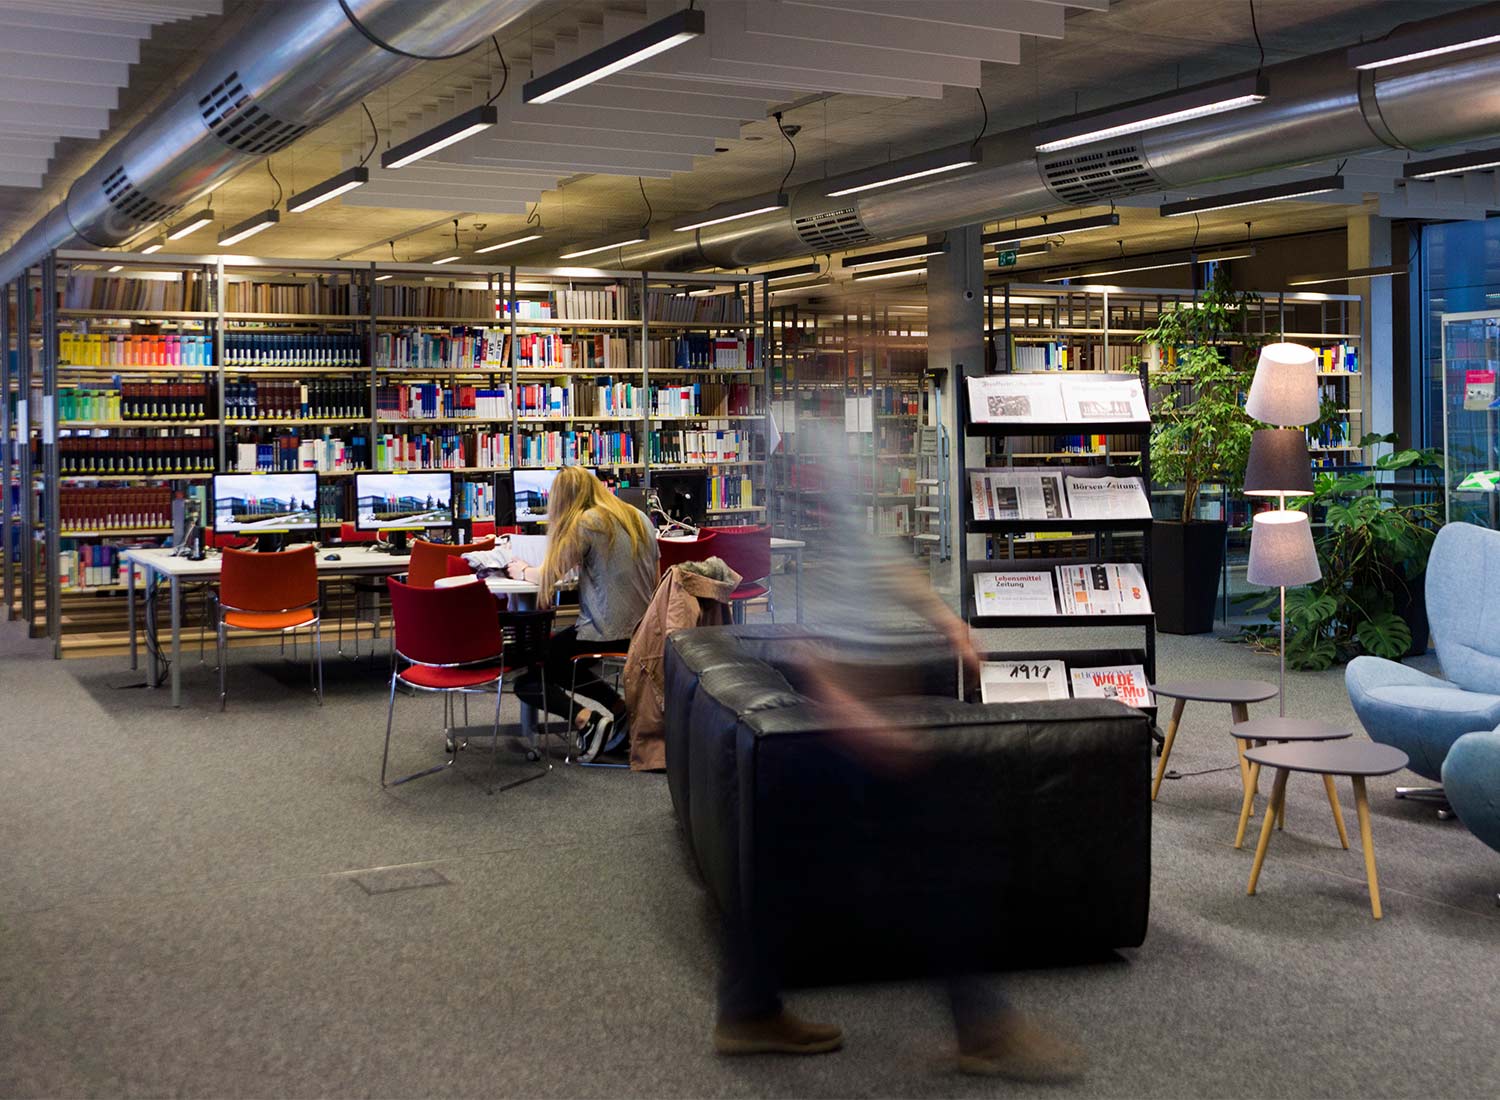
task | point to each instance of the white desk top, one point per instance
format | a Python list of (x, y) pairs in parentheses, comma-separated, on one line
[(776, 543), (500, 586), (352, 559)]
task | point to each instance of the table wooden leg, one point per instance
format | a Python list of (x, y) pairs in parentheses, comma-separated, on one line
[(1239, 712), (1338, 816), (1166, 748), (1246, 805), (1278, 792), (1362, 807), (1281, 815)]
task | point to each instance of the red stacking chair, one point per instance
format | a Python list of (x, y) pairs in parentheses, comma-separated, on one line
[(269, 592), (452, 643), (672, 552), (747, 550), (429, 560), (349, 534)]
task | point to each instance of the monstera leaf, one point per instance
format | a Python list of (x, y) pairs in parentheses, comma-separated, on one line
[(1385, 635)]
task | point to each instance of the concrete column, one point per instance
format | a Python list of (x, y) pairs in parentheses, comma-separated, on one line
[(1370, 246), (955, 340)]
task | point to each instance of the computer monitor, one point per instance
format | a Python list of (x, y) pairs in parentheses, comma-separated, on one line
[(268, 506), (683, 496), (403, 502), (635, 496), (532, 489)]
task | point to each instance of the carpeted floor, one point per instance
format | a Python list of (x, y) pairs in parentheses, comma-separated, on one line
[(228, 905)]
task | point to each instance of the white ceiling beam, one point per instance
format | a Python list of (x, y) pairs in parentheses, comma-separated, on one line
[(20, 179), (455, 192), (451, 167), (100, 23), (602, 138), (616, 97), (430, 202), (645, 122), (572, 169), (775, 19), (27, 66), (25, 145), (1020, 16), (32, 118), (73, 46), (751, 96), (583, 157), (57, 94)]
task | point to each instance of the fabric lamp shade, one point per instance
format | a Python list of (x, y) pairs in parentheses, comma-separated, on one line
[(1282, 554), (1284, 391), (1279, 464)]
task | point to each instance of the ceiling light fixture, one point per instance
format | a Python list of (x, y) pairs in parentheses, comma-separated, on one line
[(732, 211), (1150, 114), (911, 252), (383, 278), (1344, 276), (1455, 165), (250, 226), (155, 246), (441, 136), (1124, 264), (194, 223), (330, 188), (445, 259), (1006, 237), (677, 28), (894, 273), (817, 284), (1274, 193), (640, 235), (116, 267), (792, 272), (496, 246), (934, 163), (1413, 43)]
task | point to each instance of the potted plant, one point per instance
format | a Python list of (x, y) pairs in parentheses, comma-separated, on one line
[(1200, 434), (1372, 550)]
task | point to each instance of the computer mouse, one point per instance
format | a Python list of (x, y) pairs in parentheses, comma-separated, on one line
[(332, 557)]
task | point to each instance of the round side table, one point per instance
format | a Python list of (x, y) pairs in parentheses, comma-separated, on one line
[(1262, 731), (1356, 759), (1239, 694)]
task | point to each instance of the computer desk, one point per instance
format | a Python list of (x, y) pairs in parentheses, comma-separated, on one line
[(354, 561)]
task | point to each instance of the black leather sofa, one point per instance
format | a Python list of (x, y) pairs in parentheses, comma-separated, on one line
[(1025, 837)]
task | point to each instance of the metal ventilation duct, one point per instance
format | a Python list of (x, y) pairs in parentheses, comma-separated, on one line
[(1318, 108), (296, 66)]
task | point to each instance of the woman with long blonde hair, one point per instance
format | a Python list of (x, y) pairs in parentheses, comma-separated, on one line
[(613, 548)]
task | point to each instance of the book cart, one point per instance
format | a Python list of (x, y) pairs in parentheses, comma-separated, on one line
[(1112, 540)]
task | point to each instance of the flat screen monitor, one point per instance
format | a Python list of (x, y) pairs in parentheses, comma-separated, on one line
[(532, 490), (411, 501), (683, 496), (262, 504)]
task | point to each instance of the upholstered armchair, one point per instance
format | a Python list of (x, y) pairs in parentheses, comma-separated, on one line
[(1424, 715), (1471, 779)]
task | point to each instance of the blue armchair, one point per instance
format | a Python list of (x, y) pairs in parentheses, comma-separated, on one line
[(1471, 778), (1423, 715)]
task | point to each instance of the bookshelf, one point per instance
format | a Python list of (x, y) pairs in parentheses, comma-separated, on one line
[(242, 363)]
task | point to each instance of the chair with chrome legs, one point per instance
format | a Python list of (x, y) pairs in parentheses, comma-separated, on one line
[(747, 550), (453, 644), (612, 660), (270, 592)]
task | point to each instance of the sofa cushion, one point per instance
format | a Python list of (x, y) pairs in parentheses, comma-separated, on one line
[(1463, 605), (1436, 702)]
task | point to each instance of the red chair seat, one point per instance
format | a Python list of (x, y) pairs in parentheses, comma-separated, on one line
[(270, 620), (749, 591), (449, 679)]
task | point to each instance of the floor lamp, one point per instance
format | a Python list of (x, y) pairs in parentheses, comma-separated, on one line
[(1282, 555)]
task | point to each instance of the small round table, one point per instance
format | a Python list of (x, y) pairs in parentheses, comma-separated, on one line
[(1356, 759), (1262, 731), (1239, 694)]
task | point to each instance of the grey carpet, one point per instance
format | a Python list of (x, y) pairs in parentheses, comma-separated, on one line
[(228, 905)]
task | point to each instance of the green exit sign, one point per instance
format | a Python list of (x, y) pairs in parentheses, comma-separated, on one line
[(1006, 259)]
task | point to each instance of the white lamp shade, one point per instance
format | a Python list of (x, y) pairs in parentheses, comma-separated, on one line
[(1282, 554), (1285, 389)]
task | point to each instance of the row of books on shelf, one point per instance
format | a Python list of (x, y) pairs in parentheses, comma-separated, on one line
[(1110, 588), (116, 349), (94, 565), (303, 296), (428, 401), (1341, 357), (143, 401), (114, 509), (1015, 493), (555, 351), (1058, 397), (730, 491), (706, 399), (85, 290), (701, 351), (290, 399), (83, 455), (459, 348), (1094, 443), (1072, 355), (293, 349), (1026, 681), (681, 307), (581, 398), (1334, 434), (708, 447), (888, 520), (290, 453), (595, 448)]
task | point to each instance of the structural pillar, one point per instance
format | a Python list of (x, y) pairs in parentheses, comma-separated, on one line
[(955, 342), (1370, 246)]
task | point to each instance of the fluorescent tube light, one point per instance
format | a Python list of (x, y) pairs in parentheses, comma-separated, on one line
[(592, 249), (910, 168), (911, 252), (894, 273), (383, 278), (330, 188), (1414, 42), (1275, 193), (440, 136), (191, 225), (1124, 264), (674, 30), (496, 246), (1455, 165), (1345, 276), (249, 227), (116, 267), (445, 259), (155, 246), (817, 284), (1150, 114), (732, 211), (792, 272), (1004, 237)]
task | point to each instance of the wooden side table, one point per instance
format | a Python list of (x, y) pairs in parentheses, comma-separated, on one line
[(1356, 759), (1239, 694), (1262, 731)]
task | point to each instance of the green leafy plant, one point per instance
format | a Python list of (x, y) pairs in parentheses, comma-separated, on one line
[(1372, 551), (1200, 431)]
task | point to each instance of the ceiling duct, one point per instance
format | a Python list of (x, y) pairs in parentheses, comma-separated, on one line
[(294, 67), (1316, 108)]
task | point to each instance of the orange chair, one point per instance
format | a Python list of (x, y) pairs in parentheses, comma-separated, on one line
[(269, 592), (349, 534), (747, 550), (429, 560), (672, 552), (486, 529)]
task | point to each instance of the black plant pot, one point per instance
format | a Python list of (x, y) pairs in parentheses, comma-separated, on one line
[(1411, 605), (1187, 561)]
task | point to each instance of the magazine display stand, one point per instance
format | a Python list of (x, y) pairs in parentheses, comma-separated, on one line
[(1101, 529)]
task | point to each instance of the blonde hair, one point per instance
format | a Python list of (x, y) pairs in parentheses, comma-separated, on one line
[(580, 502)]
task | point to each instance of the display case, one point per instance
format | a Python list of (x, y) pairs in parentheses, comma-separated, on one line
[(1471, 433)]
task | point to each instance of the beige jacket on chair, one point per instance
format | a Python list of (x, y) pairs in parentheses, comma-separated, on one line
[(694, 594)]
